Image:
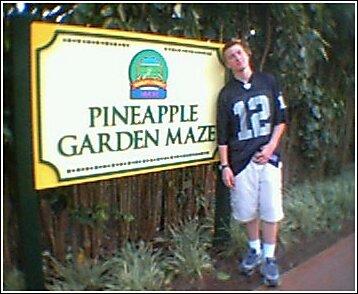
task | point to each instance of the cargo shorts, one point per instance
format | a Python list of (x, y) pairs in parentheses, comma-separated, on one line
[(258, 193)]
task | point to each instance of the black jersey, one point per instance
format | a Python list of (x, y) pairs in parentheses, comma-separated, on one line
[(246, 116)]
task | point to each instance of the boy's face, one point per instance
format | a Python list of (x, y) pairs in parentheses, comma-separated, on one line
[(236, 58)]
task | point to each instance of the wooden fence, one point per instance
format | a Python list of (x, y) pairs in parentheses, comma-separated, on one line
[(96, 218)]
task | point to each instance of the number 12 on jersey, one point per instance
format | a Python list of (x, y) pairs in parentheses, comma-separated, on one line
[(255, 128)]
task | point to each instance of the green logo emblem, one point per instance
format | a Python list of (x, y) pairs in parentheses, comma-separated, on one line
[(148, 74)]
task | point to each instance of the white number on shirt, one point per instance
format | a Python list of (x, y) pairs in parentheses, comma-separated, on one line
[(256, 118)]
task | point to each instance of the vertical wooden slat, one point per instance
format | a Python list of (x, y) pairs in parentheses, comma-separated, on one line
[(129, 209), (75, 236), (93, 187), (156, 196), (47, 223), (143, 209), (110, 239), (120, 196), (196, 180), (152, 205), (166, 200), (126, 209), (209, 188), (185, 205), (171, 203), (138, 202), (86, 243), (160, 192), (134, 208), (97, 223), (61, 228)]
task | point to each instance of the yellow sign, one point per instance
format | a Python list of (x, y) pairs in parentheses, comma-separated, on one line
[(108, 103)]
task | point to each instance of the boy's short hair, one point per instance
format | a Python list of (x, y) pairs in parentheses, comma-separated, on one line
[(240, 42)]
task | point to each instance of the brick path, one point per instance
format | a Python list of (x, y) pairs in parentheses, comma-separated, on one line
[(331, 270)]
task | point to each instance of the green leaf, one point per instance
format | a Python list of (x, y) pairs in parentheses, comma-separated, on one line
[(85, 9), (113, 23), (121, 12), (107, 11), (223, 276)]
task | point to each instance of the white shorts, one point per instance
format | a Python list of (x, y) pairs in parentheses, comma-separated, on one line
[(258, 193)]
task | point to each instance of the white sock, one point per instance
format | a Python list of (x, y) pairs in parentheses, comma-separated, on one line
[(256, 244), (269, 250)]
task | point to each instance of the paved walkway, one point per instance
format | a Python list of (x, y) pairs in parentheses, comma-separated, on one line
[(331, 270)]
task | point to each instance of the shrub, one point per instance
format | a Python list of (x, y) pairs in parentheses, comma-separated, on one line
[(138, 267), (189, 245)]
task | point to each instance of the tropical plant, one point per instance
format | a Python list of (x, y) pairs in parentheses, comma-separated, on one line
[(138, 267), (313, 207), (80, 275), (238, 240), (188, 252), (14, 280)]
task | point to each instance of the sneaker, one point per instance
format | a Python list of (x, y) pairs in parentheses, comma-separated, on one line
[(270, 272), (250, 261)]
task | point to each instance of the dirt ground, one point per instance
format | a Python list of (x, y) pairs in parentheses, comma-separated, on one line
[(298, 253)]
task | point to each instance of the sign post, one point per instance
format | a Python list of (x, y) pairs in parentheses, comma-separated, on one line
[(222, 214), (26, 196)]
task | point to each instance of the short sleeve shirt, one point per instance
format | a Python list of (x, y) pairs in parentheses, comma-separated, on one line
[(247, 115)]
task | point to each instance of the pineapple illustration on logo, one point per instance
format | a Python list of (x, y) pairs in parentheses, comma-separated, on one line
[(148, 74)]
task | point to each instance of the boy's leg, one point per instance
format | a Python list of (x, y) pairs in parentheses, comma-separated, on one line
[(269, 232), (253, 257), (253, 229), (271, 213), (244, 203)]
